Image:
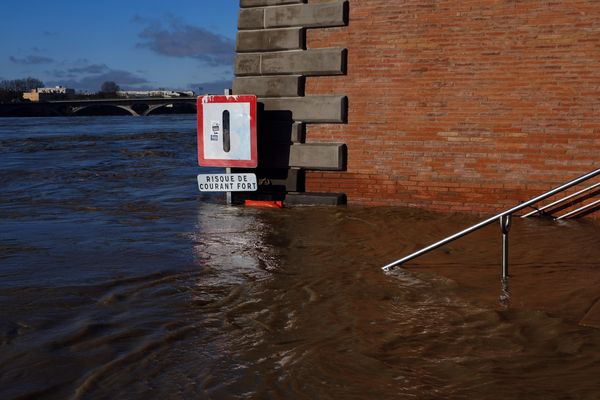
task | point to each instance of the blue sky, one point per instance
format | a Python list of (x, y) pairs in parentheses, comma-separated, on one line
[(175, 44)]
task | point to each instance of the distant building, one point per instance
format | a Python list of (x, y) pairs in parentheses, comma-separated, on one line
[(154, 93), (45, 94)]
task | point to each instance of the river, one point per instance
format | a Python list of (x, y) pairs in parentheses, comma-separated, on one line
[(118, 279)]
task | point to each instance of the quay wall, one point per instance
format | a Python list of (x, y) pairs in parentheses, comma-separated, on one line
[(458, 105), (462, 105)]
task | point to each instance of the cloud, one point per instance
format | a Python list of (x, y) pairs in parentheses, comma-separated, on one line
[(57, 73), (94, 81), (81, 61), (75, 72), (82, 75), (31, 59), (138, 19), (215, 87), (182, 40), (90, 69)]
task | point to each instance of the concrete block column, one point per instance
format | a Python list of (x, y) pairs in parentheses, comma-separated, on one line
[(304, 15), (272, 62)]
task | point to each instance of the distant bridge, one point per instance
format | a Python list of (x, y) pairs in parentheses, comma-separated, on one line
[(133, 106)]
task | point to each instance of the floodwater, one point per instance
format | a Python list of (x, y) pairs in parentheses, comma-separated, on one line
[(119, 280)]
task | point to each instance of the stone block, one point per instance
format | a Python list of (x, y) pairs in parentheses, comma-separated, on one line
[(280, 180), (298, 134), (262, 3), (251, 18), (315, 109), (247, 64), (273, 155), (315, 62), (270, 86), (315, 199), (312, 156), (312, 62), (273, 183), (270, 40), (319, 156), (307, 15), (270, 130)]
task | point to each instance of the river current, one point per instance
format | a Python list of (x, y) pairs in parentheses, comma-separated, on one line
[(118, 279)]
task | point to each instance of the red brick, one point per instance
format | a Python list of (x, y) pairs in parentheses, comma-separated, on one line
[(480, 104)]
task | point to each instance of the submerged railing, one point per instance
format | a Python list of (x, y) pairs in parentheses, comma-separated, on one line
[(505, 218)]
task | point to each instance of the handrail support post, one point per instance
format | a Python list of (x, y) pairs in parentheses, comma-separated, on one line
[(505, 223)]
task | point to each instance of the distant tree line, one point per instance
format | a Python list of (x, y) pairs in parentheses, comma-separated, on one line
[(11, 90), (21, 85)]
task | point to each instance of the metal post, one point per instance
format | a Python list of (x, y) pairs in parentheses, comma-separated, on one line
[(504, 298), (229, 195), (505, 222)]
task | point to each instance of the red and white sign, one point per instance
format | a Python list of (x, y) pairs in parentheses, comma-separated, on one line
[(227, 131)]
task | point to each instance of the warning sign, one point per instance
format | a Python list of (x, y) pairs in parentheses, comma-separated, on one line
[(227, 131)]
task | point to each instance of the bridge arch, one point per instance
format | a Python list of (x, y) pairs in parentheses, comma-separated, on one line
[(164, 107), (104, 109)]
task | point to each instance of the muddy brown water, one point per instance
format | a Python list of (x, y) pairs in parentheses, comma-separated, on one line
[(119, 280)]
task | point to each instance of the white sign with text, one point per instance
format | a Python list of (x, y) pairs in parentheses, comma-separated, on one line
[(227, 183)]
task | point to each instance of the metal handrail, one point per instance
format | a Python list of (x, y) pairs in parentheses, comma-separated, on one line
[(580, 209), (504, 218), (562, 200)]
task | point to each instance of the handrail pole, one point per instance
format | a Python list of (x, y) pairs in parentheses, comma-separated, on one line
[(580, 209), (488, 221), (505, 222), (562, 200), (441, 243), (552, 192)]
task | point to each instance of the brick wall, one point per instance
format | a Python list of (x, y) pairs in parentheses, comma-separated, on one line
[(462, 105)]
